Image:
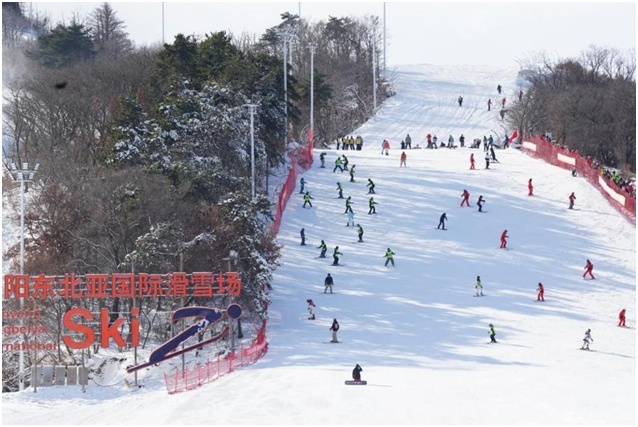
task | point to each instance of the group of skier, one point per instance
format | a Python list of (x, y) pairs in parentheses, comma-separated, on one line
[(341, 163)]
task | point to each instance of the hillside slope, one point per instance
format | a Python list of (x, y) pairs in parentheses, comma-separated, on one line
[(416, 329)]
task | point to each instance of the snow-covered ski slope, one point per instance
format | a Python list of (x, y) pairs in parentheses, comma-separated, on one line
[(416, 329)]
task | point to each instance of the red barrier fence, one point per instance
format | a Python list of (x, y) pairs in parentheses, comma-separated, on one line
[(188, 379), (569, 159), (300, 161)]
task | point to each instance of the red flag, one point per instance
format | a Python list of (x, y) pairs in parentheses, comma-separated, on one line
[(514, 135)]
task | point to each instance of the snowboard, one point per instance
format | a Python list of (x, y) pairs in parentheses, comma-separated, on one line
[(352, 382)]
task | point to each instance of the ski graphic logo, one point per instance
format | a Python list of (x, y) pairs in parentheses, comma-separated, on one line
[(207, 316)]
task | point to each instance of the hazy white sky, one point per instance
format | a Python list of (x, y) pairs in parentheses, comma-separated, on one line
[(496, 33)]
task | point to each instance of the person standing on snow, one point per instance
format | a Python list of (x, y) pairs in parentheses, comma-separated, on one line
[(572, 198), (335, 256), (340, 190), (338, 164), (492, 334), (472, 161), (530, 187), (322, 157), (334, 328), (371, 185), (621, 318), (489, 104), (478, 287), (541, 292), (589, 267), (311, 309), (487, 160), (352, 173), (360, 233), (480, 202), (442, 221), (504, 238), (344, 161), (302, 233), (389, 257), (587, 339), (323, 248), (350, 219), (404, 157), (460, 101), (303, 183), (408, 142), (328, 283), (498, 88), (372, 204), (306, 199), (466, 198), (348, 204)]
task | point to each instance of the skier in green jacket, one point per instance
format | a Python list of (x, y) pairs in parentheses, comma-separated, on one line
[(389, 257), (335, 256)]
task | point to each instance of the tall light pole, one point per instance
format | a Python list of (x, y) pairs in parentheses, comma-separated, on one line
[(374, 68), (22, 175), (384, 46), (286, 34), (313, 48), (162, 22), (252, 146)]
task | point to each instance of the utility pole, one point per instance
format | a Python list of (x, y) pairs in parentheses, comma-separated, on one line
[(374, 68), (252, 148), (286, 34), (384, 45), (313, 48), (22, 174), (162, 22)]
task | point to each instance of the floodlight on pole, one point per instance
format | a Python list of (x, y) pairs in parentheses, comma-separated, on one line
[(23, 175)]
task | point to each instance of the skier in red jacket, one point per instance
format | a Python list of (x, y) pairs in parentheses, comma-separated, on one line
[(589, 267), (472, 161), (466, 198), (621, 318), (541, 292), (504, 237), (572, 197), (530, 187)]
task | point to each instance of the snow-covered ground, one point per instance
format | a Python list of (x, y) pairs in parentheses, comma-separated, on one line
[(416, 329)]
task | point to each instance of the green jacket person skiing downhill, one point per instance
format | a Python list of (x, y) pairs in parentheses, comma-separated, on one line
[(335, 256), (389, 257)]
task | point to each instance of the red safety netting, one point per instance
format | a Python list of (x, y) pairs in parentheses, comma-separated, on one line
[(300, 161), (188, 379), (564, 157)]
